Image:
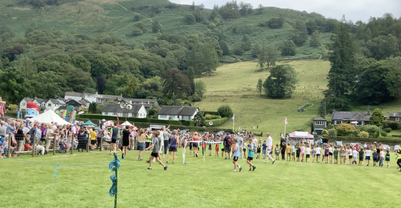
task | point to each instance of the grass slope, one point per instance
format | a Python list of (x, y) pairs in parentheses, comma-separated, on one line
[(93, 18), (235, 84), (197, 184)]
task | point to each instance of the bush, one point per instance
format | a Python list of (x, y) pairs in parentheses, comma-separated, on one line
[(345, 129), (325, 132), (394, 125), (218, 122), (225, 111), (189, 123), (388, 130), (332, 133), (383, 133), (137, 31), (363, 134), (371, 129)]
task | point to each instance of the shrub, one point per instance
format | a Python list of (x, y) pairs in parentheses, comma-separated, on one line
[(325, 132), (371, 129), (383, 133), (394, 125), (332, 133), (137, 31), (345, 129), (363, 134), (225, 111), (388, 130)]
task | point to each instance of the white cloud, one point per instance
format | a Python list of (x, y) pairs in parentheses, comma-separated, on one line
[(352, 9)]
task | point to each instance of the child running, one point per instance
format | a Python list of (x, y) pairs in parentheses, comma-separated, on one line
[(217, 149), (251, 150), (307, 152), (264, 146), (317, 153), (387, 158), (313, 154), (293, 152), (156, 151), (354, 156), (361, 156), (302, 152), (235, 151), (335, 155), (367, 155), (375, 157), (288, 151)]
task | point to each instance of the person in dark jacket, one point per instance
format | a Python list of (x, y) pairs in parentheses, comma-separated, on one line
[(82, 139)]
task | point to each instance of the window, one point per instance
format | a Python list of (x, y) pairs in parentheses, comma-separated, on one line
[(319, 122), (397, 118), (49, 105)]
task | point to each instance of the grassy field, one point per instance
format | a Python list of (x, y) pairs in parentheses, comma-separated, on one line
[(235, 84), (209, 183)]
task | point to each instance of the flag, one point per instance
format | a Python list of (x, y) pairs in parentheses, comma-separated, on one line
[(285, 121), (118, 121), (232, 118)]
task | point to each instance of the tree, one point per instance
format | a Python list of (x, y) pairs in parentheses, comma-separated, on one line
[(81, 62), (246, 43), (262, 54), (156, 26), (289, 48), (341, 77), (224, 48), (198, 16), (189, 19), (315, 40), (299, 38), (377, 117), (132, 86), (311, 27), (203, 57), (378, 83), (259, 86), (239, 49), (260, 9), (275, 23), (176, 84), (345, 129), (281, 82), (225, 111), (101, 84), (200, 88), (271, 55)]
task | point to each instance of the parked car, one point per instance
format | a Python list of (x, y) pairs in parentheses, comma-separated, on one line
[(386, 147), (396, 147)]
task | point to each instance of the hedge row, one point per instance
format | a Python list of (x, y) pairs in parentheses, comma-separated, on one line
[(136, 120), (211, 112), (218, 122), (212, 117)]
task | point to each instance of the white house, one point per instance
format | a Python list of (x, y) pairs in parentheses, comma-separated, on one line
[(186, 113), (53, 104), (137, 111), (38, 101)]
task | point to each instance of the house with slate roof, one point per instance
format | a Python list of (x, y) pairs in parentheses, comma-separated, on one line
[(394, 116), (137, 111), (319, 124), (186, 113), (358, 118)]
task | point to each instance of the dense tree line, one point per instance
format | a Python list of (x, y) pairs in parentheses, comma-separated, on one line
[(46, 65)]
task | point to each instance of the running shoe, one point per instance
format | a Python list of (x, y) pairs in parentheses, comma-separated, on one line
[(253, 168), (149, 168), (165, 167), (273, 161), (240, 168)]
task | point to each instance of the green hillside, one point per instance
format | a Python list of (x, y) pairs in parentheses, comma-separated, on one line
[(94, 18), (235, 84)]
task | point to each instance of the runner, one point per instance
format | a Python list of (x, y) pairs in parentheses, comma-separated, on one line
[(269, 144), (227, 146), (141, 138), (156, 151), (195, 144), (235, 151), (115, 132), (126, 135), (173, 145), (251, 150)]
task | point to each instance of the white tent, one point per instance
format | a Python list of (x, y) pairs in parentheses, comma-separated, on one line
[(301, 134), (126, 124), (48, 117)]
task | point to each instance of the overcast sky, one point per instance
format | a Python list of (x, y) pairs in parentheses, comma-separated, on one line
[(352, 9)]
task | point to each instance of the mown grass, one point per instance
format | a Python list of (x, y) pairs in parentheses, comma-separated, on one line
[(235, 85), (198, 184)]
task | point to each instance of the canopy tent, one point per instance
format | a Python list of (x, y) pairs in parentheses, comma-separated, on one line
[(301, 134), (89, 123), (48, 117), (108, 123), (126, 124)]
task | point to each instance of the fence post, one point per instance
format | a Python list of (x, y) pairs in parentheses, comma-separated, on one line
[(54, 145), (9, 145), (101, 143), (33, 145)]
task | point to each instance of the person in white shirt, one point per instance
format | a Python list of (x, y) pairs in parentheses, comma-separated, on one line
[(241, 144), (269, 146), (317, 153), (307, 152), (354, 156), (49, 137), (367, 155)]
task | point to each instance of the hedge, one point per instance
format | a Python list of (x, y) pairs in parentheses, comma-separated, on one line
[(218, 122), (212, 117), (189, 123), (211, 112)]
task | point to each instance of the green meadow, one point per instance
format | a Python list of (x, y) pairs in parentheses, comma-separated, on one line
[(235, 85), (208, 182)]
